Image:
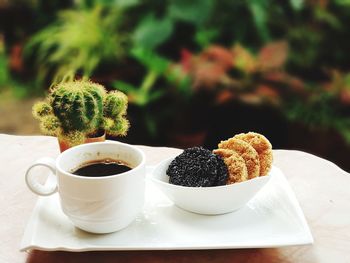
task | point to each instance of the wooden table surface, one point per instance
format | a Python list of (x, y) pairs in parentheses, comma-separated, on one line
[(322, 189)]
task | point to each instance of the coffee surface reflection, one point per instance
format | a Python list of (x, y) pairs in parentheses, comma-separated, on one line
[(100, 168)]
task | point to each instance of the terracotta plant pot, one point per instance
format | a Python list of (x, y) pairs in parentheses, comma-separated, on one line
[(64, 145)]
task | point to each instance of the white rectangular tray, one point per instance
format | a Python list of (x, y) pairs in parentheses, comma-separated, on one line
[(273, 218)]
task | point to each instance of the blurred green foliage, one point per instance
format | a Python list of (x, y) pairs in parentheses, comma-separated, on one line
[(195, 13), (327, 106), (292, 55), (78, 42), (8, 83)]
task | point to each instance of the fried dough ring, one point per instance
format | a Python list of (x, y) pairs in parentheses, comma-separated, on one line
[(263, 147), (247, 152), (237, 169)]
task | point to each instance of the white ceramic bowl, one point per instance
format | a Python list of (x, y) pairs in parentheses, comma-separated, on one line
[(207, 200)]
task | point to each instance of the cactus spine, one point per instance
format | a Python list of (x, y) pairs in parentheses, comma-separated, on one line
[(77, 109)]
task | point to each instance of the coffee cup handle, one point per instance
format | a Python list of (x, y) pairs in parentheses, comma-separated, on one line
[(36, 187)]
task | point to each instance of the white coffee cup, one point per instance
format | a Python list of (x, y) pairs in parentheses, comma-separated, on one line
[(95, 204)]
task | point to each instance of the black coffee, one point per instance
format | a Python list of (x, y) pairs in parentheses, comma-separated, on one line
[(102, 168)]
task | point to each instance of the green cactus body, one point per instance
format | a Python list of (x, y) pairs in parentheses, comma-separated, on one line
[(115, 104), (41, 109), (77, 109), (118, 127), (78, 106)]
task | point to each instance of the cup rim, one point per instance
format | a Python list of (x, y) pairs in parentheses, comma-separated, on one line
[(133, 170)]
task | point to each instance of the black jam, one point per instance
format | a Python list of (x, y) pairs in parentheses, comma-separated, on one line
[(102, 168)]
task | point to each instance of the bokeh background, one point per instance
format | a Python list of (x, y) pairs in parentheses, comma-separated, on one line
[(195, 72)]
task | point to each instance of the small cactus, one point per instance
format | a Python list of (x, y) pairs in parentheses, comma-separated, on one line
[(74, 110)]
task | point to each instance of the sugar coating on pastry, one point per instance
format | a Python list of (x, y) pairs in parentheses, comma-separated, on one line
[(263, 147), (237, 169), (247, 152)]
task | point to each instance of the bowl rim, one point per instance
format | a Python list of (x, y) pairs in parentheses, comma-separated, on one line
[(202, 188)]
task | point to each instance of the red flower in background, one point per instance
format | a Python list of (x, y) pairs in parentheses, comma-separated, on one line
[(217, 55), (344, 96), (273, 56), (209, 67), (186, 58)]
